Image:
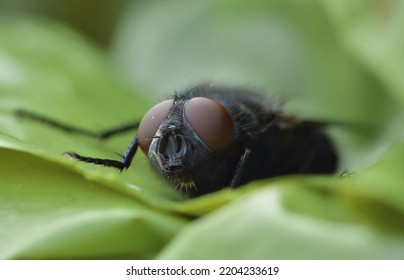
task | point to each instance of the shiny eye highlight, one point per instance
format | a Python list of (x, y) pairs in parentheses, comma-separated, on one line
[(211, 122), (151, 123)]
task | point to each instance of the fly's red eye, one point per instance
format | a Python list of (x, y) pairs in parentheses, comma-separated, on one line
[(151, 123), (211, 122)]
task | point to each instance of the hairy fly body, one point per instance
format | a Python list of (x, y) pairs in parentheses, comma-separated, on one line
[(210, 137)]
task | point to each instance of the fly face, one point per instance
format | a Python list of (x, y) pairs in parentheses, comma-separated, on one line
[(167, 155), (193, 132)]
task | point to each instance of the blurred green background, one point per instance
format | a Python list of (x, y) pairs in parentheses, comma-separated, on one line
[(97, 64)]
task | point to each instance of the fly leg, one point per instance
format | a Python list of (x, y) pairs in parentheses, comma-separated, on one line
[(73, 129), (122, 164), (239, 172)]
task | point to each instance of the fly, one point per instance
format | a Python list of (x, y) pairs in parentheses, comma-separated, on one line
[(209, 138)]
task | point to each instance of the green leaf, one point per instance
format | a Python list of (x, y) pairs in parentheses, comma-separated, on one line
[(258, 226), (48, 212)]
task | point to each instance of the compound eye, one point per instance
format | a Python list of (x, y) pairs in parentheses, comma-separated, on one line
[(211, 122), (151, 123)]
